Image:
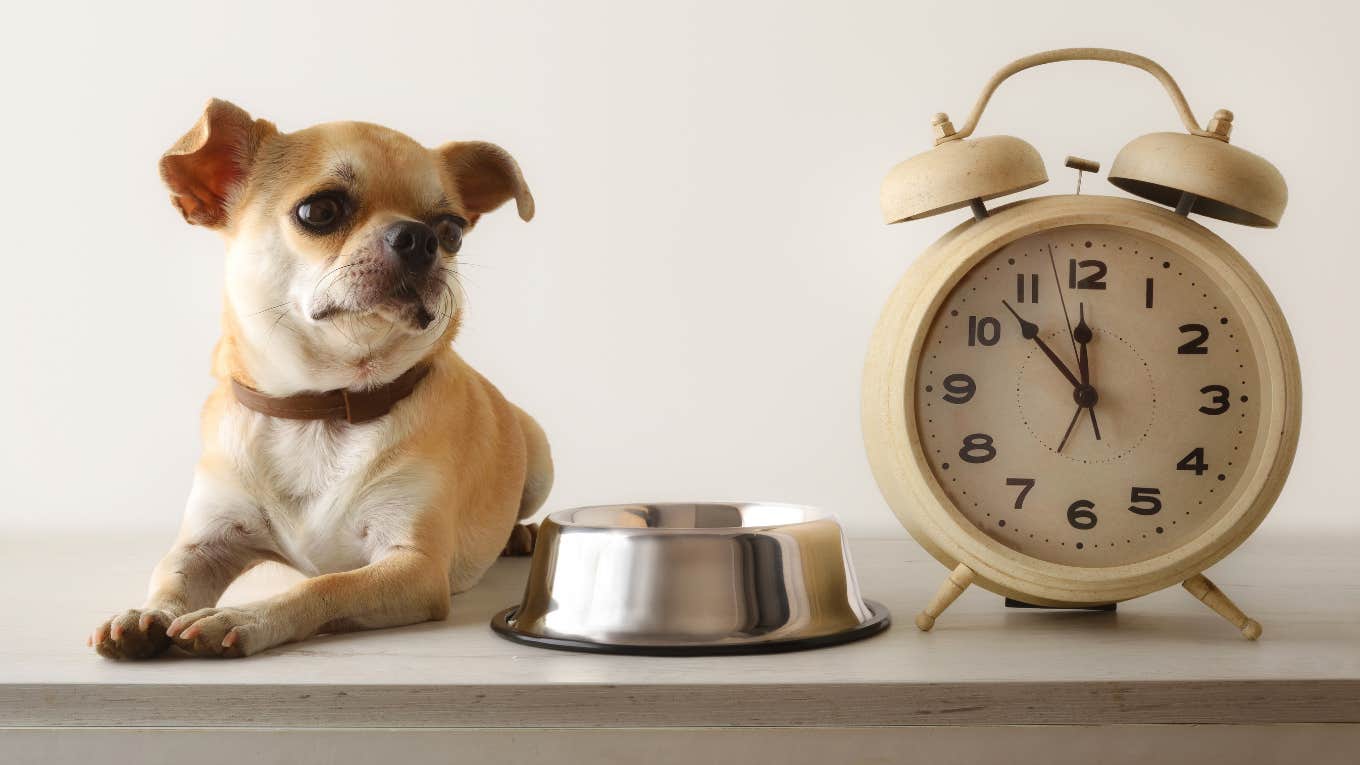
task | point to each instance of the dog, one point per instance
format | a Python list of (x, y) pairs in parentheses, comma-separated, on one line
[(345, 437)]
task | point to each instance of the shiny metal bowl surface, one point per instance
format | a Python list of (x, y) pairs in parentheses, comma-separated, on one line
[(691, 578)]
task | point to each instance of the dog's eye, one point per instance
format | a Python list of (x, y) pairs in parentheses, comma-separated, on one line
[(449, 229), (322, 212)]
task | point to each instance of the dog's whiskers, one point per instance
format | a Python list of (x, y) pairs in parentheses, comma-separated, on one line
[(277, 323), (336, 323), (270, 308), (457, 276), (335, 270), (323, 277)]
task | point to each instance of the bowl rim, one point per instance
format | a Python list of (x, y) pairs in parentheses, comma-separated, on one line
[(814, 514)]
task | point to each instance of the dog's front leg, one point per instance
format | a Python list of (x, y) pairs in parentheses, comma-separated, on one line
[(222, 536), (404, 586)]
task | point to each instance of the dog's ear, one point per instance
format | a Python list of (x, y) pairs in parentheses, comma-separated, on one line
[(206, 167), (487, 178)]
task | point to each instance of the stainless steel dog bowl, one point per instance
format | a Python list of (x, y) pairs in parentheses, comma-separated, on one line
[(690, 579)]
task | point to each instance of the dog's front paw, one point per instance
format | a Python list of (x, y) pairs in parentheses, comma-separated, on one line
[(133, 634), (229, 632)]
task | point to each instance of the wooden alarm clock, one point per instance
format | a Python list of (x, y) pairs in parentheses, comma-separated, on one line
[(1075, 400)]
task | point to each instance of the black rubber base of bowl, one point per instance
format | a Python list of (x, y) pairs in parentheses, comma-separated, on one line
[(878, 621)]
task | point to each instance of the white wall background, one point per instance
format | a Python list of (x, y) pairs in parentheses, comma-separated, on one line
[(688, 314)]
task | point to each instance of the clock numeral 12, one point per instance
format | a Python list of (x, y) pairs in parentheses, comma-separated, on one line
[(1095, 281)]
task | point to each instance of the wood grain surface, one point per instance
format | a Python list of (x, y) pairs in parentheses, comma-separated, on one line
[(1160, 659)]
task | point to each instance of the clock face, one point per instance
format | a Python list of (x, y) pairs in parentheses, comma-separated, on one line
[(1089, 397)]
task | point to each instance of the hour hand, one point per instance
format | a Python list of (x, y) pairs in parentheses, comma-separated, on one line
[(1083, 335), (1030, 331)]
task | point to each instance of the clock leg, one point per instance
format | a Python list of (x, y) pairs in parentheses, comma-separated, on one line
[(1208, 593), (953, 586)]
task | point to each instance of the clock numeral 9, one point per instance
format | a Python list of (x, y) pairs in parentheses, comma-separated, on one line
[(1079, 514), (1194, 461), (1145, 500), (1195, 345), (977, 448), (983, 330), (1219, 399), (959, 388)]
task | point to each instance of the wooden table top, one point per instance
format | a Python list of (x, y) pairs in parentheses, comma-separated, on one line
[(1164, 658)]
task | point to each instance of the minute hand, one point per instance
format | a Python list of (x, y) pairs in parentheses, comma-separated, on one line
[(1030, 331)]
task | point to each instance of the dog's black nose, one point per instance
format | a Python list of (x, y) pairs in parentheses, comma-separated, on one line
[(414, 243)]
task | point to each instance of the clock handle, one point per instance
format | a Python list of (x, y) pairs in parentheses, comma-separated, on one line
[(952, 587), (1079, 54), (1208, 593)]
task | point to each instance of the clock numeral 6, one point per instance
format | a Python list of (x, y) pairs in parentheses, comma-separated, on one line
[(1195, 345), (959, 388), (1194, 461), (983, 330), (977, 448), (1145, 500), (1079, 514), (1219, 399)]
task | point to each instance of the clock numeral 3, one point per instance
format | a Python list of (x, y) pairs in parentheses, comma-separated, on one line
[(1079, 514), (1195, 345), (1028, 483), (1194, 461), (1219, 399), (1095, 281), (1145, 500), (977, 448), (983, 330), (959, 388)]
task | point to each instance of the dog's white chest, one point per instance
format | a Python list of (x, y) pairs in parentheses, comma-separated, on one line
[(315, 457), (324, 486)]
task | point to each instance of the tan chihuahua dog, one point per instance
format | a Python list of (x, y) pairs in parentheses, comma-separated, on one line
[(345, 437)]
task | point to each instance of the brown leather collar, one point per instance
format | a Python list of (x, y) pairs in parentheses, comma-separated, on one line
[(352, 406)]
